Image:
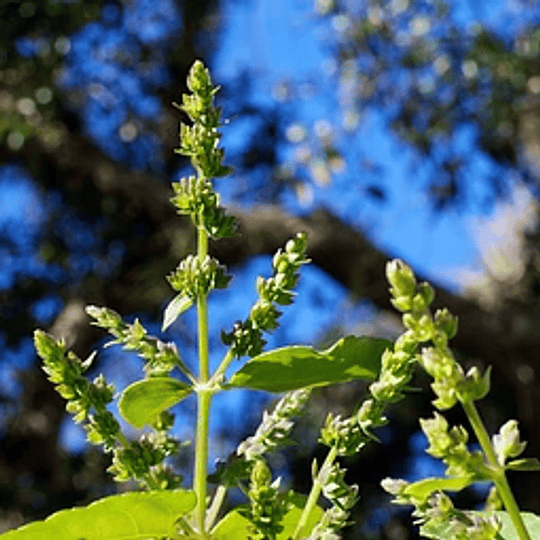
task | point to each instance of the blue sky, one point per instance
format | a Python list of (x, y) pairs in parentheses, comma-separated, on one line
[(284, 41)]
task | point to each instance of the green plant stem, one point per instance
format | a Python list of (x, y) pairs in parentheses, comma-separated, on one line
[(204, 397), (314, 494), (499, 479), (227, 359)]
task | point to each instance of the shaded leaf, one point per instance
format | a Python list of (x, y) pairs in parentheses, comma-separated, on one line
[(290, 368), (142, 401), (130, 516)]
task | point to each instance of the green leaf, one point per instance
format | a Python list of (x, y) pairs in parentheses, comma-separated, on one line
[(292, 517), (130, 516), (532, 524), (234, 526), (442, 531), (142, 401), (290, 368), (525, 464), (175, 308), (424, 488)]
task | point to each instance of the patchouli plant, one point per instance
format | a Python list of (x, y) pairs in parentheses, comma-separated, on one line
[(164, 508)]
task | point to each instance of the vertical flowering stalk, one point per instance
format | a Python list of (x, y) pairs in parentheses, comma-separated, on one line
[(452, 385), (196, 276)]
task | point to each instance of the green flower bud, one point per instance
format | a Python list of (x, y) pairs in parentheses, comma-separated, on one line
[(388, 387), (67, 392), (446, 394), (199, 81), (344, 434), (424, 297), (370, 416), (506, 443), (473, 386), (264, 315), (50, 351), (401, 278), (421, 326), (436, 431), (105, 318), (194, 277), (446, 322), (260, 473), (406, 343), (402, 303)]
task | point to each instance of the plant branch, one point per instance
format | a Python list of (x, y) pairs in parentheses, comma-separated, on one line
[(499, 478), (314, 494)]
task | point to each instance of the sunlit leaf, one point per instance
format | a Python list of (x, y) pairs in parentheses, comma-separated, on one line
[(142, 401), (175, 308), (508, 532), (290, 521), (423, 488), (290, 368), (133, 516)]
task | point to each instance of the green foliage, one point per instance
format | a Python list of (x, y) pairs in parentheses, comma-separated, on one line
[(284, 369), (270, 512), (142, 401), (136, 516)]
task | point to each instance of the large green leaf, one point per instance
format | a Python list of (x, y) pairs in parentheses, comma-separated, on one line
[(234, 526), (290, 368), (532, 523), (130, 516), (142, 401)]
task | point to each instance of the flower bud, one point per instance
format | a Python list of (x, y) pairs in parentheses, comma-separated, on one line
[(260, 474), (446, 322), (506, 443), (423, 298), (402, 303), (401, 277), (474, 386)]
